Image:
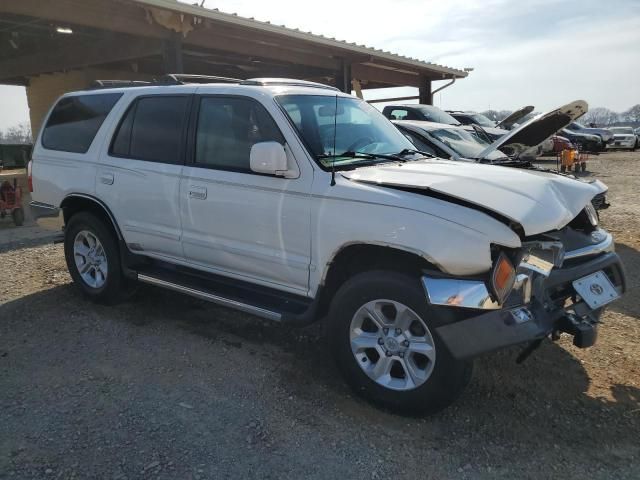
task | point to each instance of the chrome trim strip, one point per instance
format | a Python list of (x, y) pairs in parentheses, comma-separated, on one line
[(606, 245), (43, 210), (452, 292), (225, 302)]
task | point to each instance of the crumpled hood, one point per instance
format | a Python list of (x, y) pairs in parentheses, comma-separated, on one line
[(539, 201)]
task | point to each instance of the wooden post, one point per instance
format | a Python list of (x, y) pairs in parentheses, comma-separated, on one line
[(343, 77), (172, 60), (426, 98)]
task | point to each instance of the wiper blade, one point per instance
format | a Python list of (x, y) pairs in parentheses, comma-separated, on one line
[(365, 156), (408, 151)]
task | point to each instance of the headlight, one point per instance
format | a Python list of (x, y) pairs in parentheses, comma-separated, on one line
[(503, 277), (592, 215)]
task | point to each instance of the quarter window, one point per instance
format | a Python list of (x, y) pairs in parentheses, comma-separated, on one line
[(75, 121), (227, 129), (152, 129)]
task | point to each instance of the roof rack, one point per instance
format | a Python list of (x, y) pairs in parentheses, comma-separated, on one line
[(184, 78), (270, 82), (98, 84)]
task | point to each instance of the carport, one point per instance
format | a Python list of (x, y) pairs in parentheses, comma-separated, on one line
[(53, 47)]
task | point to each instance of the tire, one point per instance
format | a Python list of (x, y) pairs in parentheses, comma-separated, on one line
[(18, 217), (109, 283), (443, 379)]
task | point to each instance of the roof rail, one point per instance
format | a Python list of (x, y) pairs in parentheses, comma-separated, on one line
[(183, 78), (98, 84), (269, 82)]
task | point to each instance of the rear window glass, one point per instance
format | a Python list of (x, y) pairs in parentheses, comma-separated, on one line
[(152, 129), (74, 121)]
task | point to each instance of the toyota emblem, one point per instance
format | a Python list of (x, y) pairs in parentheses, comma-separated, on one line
[(596, 289)]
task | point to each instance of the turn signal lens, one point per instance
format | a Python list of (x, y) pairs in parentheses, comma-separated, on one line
[(503, 277)]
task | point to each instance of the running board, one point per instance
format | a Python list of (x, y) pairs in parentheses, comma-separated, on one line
[(211, 297)]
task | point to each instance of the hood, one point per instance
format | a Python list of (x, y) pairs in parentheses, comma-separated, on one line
[(537, 130), (538, 201), (515, 117)]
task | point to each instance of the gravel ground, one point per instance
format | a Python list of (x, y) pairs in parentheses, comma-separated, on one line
[(167, 387)]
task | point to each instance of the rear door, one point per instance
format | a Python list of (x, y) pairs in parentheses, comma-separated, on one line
[(139, 175)]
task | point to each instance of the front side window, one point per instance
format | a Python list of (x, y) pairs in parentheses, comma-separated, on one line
[(75, 121), (152, 129), (227, 129), (335, 128)]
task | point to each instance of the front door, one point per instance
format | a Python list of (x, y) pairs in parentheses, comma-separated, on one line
[(235, 222)]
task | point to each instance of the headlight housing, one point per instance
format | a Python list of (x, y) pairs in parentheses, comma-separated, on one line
[(592, 215), (503, 277)]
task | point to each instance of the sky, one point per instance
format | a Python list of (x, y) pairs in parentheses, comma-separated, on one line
[(535, 52)]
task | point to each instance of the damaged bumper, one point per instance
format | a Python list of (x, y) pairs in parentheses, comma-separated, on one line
[(549, 305)]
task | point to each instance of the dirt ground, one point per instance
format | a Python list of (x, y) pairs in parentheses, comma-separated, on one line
[(167, 387)]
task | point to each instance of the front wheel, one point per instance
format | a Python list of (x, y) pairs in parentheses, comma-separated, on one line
[(93, 260), (382, 335)]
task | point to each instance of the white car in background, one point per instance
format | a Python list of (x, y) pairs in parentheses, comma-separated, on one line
[(623, 137)]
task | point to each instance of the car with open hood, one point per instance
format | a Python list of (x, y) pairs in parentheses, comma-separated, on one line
[(295, 202), (516, 149)]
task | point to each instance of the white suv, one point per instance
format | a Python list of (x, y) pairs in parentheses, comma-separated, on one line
[(295, 202)]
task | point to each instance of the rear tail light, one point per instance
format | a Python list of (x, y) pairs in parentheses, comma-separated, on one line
[(30, 176), (503, 277)]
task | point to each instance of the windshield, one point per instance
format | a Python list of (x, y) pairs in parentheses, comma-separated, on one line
[(627, 130), (465, 144), (434, 114), (575, 126), (360, 128), (482, 120)]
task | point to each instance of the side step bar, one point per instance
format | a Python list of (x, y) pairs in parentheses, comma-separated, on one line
[(211, 297)]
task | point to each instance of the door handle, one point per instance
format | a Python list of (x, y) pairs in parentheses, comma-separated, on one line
[(106, 178), (197, 193)]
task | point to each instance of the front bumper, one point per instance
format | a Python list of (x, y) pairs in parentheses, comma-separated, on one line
[(553, 308), (626, 143)]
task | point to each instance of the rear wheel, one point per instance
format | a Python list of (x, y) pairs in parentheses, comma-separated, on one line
[(382, 335), (93, 259)]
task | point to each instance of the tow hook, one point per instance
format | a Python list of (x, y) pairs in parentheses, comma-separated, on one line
[(584, 331)]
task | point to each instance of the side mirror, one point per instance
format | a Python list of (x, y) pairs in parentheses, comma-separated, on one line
[(269, 158)]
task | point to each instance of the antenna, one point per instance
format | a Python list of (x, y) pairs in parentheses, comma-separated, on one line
[(333, 158)]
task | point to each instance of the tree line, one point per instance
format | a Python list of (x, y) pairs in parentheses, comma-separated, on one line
[(600, 116), (20, 133)]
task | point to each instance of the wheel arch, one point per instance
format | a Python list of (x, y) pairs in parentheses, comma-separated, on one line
[(357, 257), (80, 202)]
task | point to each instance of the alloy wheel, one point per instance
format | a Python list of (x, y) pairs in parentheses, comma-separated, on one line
[(90, 259), (392, 344)]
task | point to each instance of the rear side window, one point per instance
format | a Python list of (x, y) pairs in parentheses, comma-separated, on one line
[(152, 129), (74, 121)]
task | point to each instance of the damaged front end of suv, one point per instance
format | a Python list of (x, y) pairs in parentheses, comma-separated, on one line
[(558, 278), (557, 282)]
